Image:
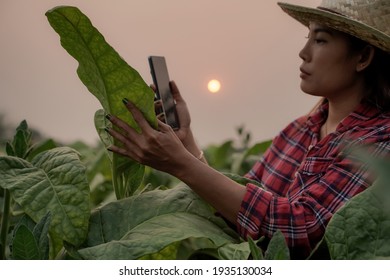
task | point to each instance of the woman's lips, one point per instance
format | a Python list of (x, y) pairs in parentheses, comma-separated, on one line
[(304, 74)]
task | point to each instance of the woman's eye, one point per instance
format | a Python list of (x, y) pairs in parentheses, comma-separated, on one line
[(319, 41)]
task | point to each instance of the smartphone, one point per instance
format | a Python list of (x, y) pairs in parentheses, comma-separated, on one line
[(159, 72)]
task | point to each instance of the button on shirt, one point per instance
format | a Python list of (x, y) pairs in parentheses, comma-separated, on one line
[(306, 180)]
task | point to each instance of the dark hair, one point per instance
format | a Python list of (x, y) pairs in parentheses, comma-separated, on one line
[(376, 75)]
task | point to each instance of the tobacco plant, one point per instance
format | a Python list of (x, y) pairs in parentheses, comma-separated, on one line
[(50, 187), (52, 212), (110, 79)]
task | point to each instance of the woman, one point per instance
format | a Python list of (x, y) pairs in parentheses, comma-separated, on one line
[(307, 174)]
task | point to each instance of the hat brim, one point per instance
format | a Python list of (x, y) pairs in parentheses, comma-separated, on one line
[(339, 22)]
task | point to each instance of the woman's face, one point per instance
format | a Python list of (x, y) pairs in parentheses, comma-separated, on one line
[(328, 68)]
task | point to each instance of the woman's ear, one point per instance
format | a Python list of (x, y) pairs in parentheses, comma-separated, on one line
[(366, 57)]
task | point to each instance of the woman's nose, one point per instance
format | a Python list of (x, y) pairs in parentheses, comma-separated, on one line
[(304, 53)]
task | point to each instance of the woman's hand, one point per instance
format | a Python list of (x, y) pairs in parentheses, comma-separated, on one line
[(184, 133), (160, 149)]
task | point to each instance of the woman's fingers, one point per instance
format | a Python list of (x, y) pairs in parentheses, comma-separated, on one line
[(138, 116), (128, 148), (152, 147), (128, 136), (127, 129), (118, 150), (175, 91), (161, 117), (158, 108), (120, 137), (162, 126)]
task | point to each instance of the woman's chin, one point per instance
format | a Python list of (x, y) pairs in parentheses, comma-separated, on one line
[(309, 91)]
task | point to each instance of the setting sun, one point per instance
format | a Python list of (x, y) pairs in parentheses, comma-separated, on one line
[(214, 86)]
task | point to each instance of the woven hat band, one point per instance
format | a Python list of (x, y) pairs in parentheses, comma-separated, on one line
[(375, 13)]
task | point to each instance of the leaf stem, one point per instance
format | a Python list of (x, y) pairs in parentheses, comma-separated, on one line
[(4, 224), (115, 182)]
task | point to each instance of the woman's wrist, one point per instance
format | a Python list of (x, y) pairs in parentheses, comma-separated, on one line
[(191, 146)]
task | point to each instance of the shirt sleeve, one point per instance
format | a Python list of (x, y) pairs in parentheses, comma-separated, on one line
[(321, 186)]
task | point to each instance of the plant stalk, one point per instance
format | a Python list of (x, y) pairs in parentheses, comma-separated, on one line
[(4, 224)]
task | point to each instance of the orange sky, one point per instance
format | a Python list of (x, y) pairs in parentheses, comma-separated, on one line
[(251, 46)]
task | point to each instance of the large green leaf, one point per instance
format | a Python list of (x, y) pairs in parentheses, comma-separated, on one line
[(101, 68), (101, 123), (109, 78), (53, 182), (361, 228), (158, 218)]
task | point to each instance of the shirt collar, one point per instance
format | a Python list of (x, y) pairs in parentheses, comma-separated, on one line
[(363, 112), (316, 119)]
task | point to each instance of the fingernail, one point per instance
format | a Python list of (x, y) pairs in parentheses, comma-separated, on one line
[(125, 101), (108, 116)]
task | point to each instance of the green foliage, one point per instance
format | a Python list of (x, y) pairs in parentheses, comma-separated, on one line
[(98, 172), (51, 181), (185, 225), (277, 248), (24, 244), (20, 144), (55, 180), (236, 157), (177, 214), (110, 79), (256, 252), (30, 240), (101, 68), (361, 229)]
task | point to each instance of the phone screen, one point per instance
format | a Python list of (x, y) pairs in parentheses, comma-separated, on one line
[(159, 71)]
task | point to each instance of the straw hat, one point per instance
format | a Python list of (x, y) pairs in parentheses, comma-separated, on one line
[(368, 20)]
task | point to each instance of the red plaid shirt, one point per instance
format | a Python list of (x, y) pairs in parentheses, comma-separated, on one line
[(307, 180)]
